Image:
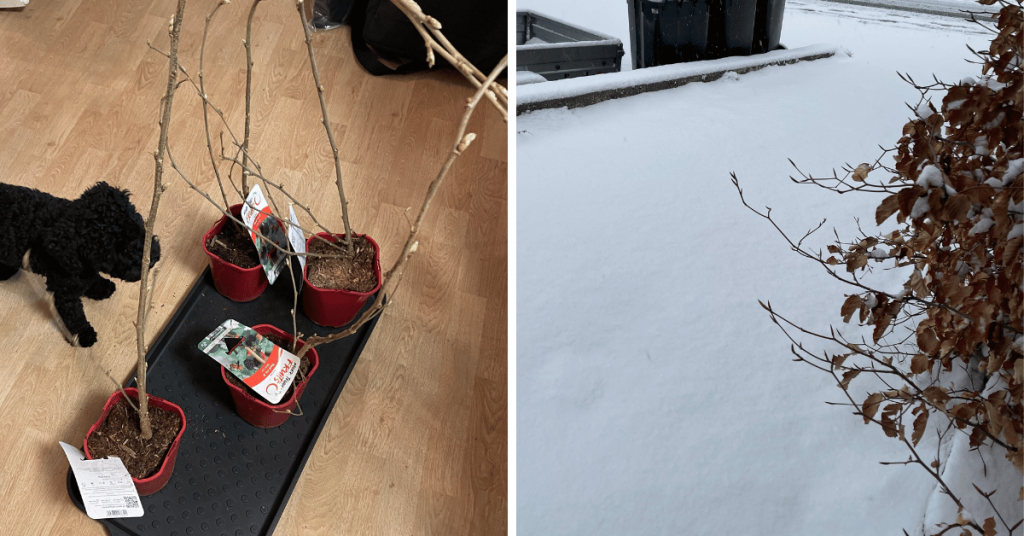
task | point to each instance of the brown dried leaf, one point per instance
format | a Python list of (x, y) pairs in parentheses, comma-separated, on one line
[(851, 305), (853, 262), (917, 284), (881, 325), (919, 364), (889, 426), (847, 377), (1012, 251), (888, 206), (977, 437), (870, 406), (861, 173), (936, 395), (927, 341), (907, 197), (957, 208), (935, 201), (990, 526), (920, 424)]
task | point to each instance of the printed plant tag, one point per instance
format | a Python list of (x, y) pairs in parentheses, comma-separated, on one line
[(262, 365), (298, 242), (257, 216), (106, 487), (295, 236)]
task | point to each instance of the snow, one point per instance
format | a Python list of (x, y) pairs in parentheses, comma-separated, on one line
[(955, 8), (654, 394), (527, 77), (981, 145), (930, 176), (924, 110), (985, 467), (1013, 168), (653, 75)]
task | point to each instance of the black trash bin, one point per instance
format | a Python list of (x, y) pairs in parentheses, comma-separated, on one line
[(674, 31), (768, 25), (668, 32), (731, 28)]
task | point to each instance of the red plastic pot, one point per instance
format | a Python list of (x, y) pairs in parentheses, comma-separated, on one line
[(334, 307), (155, 482), (235, 283), (257, 411)]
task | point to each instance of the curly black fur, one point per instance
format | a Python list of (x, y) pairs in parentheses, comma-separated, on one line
[(70, 243)]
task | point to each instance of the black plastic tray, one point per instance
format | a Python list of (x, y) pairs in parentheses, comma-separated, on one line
[(230, 477), (567, 51)]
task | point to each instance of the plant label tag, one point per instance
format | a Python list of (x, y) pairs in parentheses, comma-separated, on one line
[(106, 487), (296, 237), (264, 366), (257, 217)]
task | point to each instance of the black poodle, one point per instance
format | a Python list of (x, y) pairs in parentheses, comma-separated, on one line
[(70, 243)]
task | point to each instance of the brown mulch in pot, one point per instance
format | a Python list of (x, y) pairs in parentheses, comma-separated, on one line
[(119, 436)]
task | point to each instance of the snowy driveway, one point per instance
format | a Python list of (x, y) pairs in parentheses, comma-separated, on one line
[(654, 395)]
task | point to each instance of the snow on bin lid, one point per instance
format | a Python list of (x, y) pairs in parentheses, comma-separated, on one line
[(528, 77), (560, 32)]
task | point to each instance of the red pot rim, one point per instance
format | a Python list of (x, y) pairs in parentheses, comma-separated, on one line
[(335, 238), (314, 359), (236, 210), (154, 401)]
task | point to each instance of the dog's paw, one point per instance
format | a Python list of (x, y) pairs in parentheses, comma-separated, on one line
[(87, 337), (101, 289)]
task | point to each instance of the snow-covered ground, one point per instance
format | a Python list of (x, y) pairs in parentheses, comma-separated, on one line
[(654, 395)]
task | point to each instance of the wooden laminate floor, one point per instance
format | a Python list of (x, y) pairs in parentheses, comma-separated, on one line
[(417, 443)]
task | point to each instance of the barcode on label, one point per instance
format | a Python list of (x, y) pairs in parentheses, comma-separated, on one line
[(131, 502), (117, 512)]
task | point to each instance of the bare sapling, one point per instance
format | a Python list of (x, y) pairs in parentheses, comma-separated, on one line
[(146, 287), (430, 29), (325, 119), (248, 94), (486, 88)]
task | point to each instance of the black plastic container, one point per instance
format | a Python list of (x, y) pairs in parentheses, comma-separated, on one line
[(677, 31), (768, 25), (668, 32), (731, 28), (556, 49)]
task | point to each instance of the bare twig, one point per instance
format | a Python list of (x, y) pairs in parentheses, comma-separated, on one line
[(325, 119), (429, 29), (248, 90), (206, 102), (158, 187)]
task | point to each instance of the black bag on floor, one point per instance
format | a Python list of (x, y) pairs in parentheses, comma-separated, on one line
[(477, 29)]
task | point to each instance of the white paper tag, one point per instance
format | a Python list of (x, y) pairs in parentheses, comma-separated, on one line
[(298, 242), (296, 237), (257, 216), (106, 487)]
